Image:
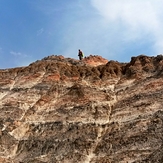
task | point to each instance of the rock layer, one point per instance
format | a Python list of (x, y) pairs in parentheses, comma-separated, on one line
[(61, 110)]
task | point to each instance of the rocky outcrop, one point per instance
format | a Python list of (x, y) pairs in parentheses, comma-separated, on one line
[(91, 111)]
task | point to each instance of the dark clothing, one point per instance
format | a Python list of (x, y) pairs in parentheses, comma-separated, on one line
[(80, 54)]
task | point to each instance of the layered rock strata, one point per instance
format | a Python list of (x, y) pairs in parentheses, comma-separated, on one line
[(61, 110)]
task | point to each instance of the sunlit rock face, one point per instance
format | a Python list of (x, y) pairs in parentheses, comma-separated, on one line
[(61, 110)]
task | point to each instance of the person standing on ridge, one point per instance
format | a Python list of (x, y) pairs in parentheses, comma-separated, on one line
[(80, 54)]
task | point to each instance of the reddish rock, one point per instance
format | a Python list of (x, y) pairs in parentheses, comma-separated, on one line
[(94, 60), (64, 110)]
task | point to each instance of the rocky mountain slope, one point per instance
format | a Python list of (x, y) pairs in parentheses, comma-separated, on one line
[(61, 110)]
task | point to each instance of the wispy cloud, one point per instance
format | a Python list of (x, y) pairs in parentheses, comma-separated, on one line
[(137, 19), (20, 59), (40, 31), (116, 29), (17, 54)]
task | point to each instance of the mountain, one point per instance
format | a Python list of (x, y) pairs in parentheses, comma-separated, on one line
[(62, 110)]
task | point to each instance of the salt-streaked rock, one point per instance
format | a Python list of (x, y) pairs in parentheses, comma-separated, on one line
[(91, 111)]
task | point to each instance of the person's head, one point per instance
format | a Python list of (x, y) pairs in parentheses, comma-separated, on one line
[(79, 49)]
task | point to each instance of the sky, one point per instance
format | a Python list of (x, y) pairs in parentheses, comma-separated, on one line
[(114, 29)]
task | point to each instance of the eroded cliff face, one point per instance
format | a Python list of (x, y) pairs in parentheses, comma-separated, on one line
[(61, 110)]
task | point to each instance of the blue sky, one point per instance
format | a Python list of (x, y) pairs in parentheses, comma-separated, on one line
[(114, 29)]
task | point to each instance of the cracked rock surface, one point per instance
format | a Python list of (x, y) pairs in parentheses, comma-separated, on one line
[(61, 110)]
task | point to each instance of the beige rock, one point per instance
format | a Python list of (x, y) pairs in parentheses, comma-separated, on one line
[(61, 110)]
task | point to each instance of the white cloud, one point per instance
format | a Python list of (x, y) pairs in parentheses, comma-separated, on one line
[(111, 28), (18, 54), (20, 59), (137, 19)]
